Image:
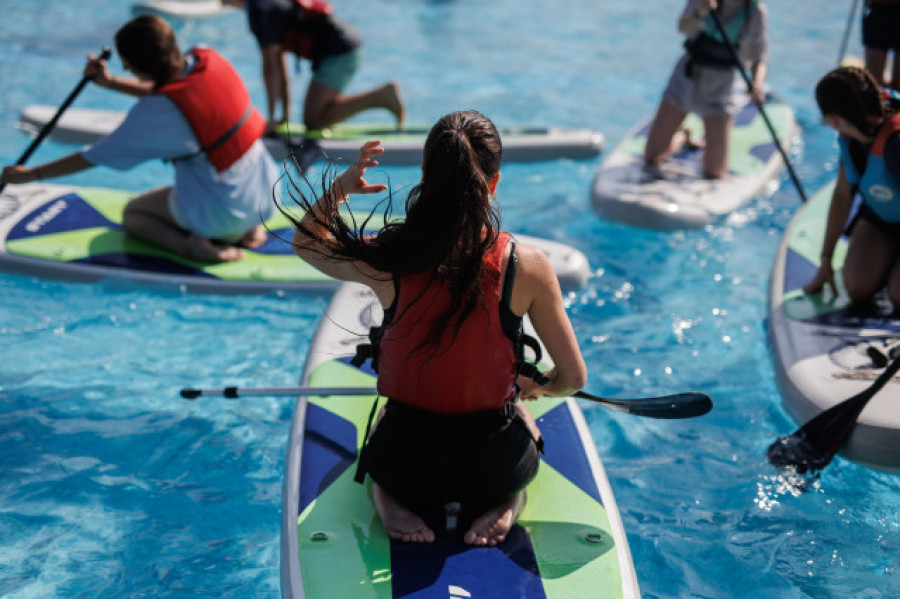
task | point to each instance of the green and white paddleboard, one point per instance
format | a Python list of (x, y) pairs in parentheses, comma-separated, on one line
[(341, 142), (75, 233), (827, 350), (570, 541), (676, 195)]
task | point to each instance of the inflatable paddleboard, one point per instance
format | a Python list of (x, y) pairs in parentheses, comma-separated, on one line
[(826, 350), (676, 195), (569, 542), (341, 142), (75, 233), (182, 9)]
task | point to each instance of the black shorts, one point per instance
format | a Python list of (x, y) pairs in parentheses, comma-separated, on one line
[(425, 460), (881, 27), (867, 214)]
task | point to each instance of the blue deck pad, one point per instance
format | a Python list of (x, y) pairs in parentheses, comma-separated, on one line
[(329, 449), (426, 571), (564, 450), (65, 213)]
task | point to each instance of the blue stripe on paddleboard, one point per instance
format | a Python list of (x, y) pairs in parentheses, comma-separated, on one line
[(65, 213), (278, 243), (141, 262), (746, 115), (564, 450), (430, 570), (798, 271), (763, 151), (329, 449)]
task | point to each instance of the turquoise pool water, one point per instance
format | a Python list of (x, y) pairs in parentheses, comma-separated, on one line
[(113, 486)]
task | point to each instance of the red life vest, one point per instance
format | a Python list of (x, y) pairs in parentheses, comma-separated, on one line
[(217, 106), (475, 371)]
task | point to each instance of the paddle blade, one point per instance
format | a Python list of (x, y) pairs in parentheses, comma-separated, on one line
[(815, 443), (679, 405)]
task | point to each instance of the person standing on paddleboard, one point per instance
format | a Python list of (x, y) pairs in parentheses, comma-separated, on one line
[(309, 30), (881, 39), (706, 80), (868, 121), (195, 112), (449, 353)]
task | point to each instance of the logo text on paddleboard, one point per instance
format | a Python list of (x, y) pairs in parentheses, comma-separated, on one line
[(52, 211)]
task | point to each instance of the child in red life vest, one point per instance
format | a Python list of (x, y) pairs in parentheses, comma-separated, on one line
[(455, 289)]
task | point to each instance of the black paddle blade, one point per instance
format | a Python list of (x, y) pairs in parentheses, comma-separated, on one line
[(679, 405), (815, 443)]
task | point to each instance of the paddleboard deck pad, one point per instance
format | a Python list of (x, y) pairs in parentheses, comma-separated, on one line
[(75, 233), (827, 350), (675, 195), (569, 541), (341, 142)]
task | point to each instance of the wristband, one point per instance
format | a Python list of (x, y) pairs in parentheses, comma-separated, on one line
[(37, 173)]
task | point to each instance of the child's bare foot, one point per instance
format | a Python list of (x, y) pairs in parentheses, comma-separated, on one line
[(401, 524), (491, 527), (254, 238), (203, 250), (394, 102)]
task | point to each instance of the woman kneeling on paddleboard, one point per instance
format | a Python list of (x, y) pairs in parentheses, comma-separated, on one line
[(868, 121), (454, 290)]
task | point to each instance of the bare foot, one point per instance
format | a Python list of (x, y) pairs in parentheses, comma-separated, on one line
[(203, 250), (394, 102), (254, 238), (491, 527), (401, 524)]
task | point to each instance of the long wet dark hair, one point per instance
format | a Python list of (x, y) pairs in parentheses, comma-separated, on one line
[(450, 220), (853, 94)]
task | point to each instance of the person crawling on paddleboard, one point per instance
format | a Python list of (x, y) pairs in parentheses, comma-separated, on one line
[(309, 30), (868, 121), (706, 80), (194, 111), (453, 440)]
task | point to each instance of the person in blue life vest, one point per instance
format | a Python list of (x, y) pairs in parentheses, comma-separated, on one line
[(455, 289), (881, 37), (705, 81), (310, 30), (194, 111), (868, 121)]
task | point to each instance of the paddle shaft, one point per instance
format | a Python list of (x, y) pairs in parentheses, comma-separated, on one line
[(850, 19), (236, 392), (762, 111), (849, 409), (681, 405), (45, 130)]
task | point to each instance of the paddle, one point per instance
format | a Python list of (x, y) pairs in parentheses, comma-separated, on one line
[(762, 111), (813, 445), (850, 19), (679, 405), (45, 130)]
